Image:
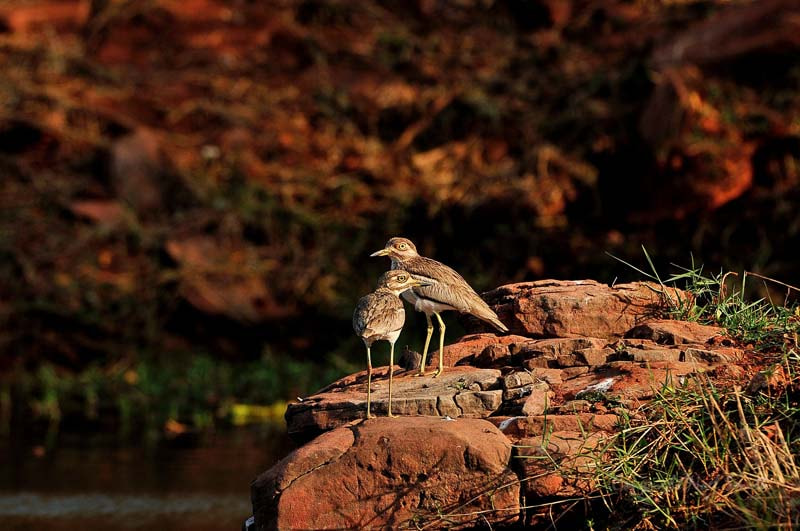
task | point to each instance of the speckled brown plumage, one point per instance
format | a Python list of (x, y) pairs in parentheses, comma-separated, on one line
[(446, 290)]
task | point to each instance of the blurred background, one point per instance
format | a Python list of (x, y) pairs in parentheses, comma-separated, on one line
[(190, 189)]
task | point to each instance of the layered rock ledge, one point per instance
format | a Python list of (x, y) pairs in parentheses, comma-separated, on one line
[(509, 420)]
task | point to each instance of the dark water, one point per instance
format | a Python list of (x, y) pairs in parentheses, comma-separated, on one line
[(94, 483)]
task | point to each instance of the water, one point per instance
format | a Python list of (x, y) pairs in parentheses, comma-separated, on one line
[(93, 483)]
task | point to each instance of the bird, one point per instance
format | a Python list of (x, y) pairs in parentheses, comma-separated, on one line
[(447, 290), (380, 316)]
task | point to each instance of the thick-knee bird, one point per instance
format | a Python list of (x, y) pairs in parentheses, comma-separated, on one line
[(380, 316), (446, 290)]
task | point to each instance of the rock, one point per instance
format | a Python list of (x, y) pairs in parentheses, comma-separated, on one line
[(630, 381), (453, 393), (594, 356), (392, 473), (551, 376), (707, 356), (537, 403), (573, 406), (558, 464), (469, 347), (667, 332), (517, 379), (660, 354), (525, 390), (492, 355), (586, 356), (582, 308), (573, 372), (516, 428)]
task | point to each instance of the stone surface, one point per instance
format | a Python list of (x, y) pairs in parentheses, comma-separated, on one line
[(459, 391), (520, 427), (668, 332), (392, 473), (657, 354), (469, 347), (537, 402), (578, 308), (708, 356), (559, 463), (551, 376), (559, 398)]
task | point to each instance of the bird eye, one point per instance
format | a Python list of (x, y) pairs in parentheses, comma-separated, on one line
[(401, 246), (402, 278)]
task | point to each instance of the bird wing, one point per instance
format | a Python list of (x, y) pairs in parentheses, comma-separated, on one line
[(378, 314), (448, 287)]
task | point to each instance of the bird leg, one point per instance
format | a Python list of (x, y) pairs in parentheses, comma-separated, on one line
[(369, 382), (427, 344), (441, 345), (391, 372)]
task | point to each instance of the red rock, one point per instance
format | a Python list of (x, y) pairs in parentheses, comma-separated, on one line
[(461, 391), (668, 332), (473, 345), (723, 355), (392, 473), (537, 403), (558, 464), (582, 308), (650, 355), (551, 376), (628, 380), (516, 428)]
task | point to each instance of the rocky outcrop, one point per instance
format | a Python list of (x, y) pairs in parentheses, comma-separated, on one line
[(390, 473), (575, 308), (447, 460), (459, 392)]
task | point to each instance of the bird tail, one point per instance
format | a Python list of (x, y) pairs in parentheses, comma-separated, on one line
[(484, 313), (497, 323)]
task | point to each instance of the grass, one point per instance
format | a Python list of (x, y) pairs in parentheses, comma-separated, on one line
[(702, 455)]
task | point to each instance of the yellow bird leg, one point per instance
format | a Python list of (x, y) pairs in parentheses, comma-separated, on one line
[(441, 345), (427, 344), (391, 373), (369, 382)]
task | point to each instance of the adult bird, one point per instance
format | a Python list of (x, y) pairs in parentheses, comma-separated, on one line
[(380, 316), (447, 290)]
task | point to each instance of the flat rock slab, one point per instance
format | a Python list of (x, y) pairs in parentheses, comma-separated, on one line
[(628, 380), (577, 308), (393, 473), (521, 427), (459, 392), (668, 332)]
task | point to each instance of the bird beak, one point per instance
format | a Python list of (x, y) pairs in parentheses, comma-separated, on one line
[(382, 252), (421, 283)]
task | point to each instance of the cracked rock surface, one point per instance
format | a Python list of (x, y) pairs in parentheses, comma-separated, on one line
[(386, 474)]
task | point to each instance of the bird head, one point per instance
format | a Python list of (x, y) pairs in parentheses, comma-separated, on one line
[(399, 249), (398, 281)]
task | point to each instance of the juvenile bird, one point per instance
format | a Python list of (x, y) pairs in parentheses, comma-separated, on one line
[(380, 316), (446, 290)]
